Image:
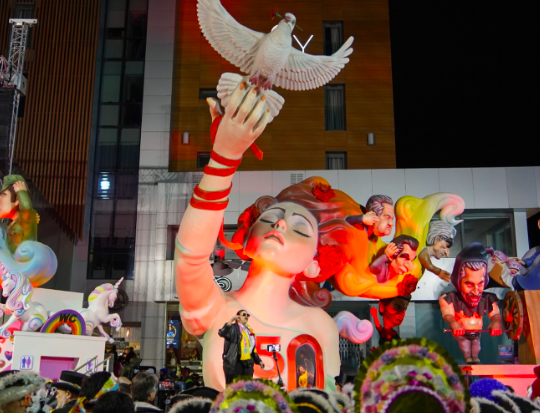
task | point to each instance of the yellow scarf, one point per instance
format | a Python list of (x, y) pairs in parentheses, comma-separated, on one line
[(244, 342)]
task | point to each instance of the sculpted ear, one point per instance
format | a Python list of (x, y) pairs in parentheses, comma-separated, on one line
[(312, 270)]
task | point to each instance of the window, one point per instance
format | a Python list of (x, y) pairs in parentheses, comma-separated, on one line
[(202, 159), (114, 217), (207, 93), (172, 230), (490, 228), (334, 107), (336, 160), (332, 37)]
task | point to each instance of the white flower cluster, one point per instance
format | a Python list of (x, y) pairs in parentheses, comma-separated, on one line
[(260, 406)]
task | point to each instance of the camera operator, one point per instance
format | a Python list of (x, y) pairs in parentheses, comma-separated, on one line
[(239, 352)]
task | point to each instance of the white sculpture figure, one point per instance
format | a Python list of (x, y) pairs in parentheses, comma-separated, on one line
[(268, 58), (19, 291), (99, 302)]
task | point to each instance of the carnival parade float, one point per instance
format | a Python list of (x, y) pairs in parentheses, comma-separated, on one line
[(44, 330)]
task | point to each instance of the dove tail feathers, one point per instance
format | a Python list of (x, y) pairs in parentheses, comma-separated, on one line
[(228, 82)]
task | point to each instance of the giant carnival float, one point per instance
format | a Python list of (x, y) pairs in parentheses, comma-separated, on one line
[(33, 315), (307, 235)]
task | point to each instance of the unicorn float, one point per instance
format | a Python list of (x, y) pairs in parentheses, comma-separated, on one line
[(99, 301), (18, 290)]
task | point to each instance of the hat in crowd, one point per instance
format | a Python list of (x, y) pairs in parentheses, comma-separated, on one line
[(347, 374), (253, 395), (70, 381), (503, 401), (192, 405), (14, 385), (403, 375), (482, 388), (309, 401), (202, 391), (10, 180)]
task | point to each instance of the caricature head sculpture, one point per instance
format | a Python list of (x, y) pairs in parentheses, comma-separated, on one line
[(383, 207), (402, 262), (514, 266), (441, 238), (470, 275), (9, 202), (393, 310)]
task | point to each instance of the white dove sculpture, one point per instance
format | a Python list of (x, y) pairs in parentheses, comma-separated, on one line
[(268, 59)]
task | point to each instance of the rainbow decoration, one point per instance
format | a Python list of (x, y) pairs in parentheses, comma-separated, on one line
[(71, 318)]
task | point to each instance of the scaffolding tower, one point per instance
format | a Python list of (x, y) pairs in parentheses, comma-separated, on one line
[(11, 76)]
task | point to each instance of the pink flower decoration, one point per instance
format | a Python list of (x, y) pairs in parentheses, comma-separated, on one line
[(377, 364), (393, 352), (365, 386), (433, 356)]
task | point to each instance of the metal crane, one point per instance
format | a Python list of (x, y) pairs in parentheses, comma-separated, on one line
[(11, 74)]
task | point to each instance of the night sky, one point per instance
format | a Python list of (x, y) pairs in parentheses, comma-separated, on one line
[(466, 83)]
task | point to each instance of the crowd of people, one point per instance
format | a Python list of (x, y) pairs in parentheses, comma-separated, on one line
[(401, 376)]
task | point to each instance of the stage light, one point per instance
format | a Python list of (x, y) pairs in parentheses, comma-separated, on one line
[(371, 139)]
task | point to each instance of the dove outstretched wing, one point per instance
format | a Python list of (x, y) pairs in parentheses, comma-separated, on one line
[(234, 42), (304, 71)]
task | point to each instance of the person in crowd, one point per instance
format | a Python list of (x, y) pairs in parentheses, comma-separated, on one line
[(195, 355), (67, 390), (114, 402), (16, 390), (239, 352), (127, 356), (492, 396), (96, 385), (439, 240), (115, 360), (144, 390)]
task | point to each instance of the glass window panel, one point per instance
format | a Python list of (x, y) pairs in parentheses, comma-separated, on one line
[(126, 206), (116, 19), (108, 115), (108, 136), (136, 48), (106, 151), (102, 225), (133, 89), (332, 37), (110, 88), (124, 225), (137, 22), (131, 135), (492, 232), (334, 107), (134, 68), (116, 5), (101, 265), (103, 206), (127, 185), (132, 115), (102, 244), (140, 5), (114, 48), (122, 266), (129, 149), (112, 68)]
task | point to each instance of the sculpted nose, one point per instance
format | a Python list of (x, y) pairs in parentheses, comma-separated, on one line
[(281, 224)]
